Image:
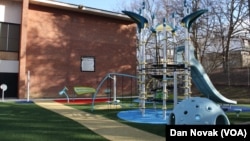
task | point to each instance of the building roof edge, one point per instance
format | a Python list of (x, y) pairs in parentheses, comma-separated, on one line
[(81, 9)]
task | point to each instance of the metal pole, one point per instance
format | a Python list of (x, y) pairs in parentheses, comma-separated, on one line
[(173, 34), (143, 78), (175, 61), (65, 89), (28, 86), (187, 57), (175, 89), (247, 73), (143, 66), (165, 91), (114, 87)]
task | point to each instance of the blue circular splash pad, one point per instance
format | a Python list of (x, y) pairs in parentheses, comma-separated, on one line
[(151, 116)]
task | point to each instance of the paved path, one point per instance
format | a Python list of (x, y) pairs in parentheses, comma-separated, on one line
[(109, 129)]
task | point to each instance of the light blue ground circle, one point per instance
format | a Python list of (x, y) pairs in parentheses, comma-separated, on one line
[(151, 116)]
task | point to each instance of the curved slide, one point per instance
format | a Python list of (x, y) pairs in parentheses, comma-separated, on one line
[(203, 83)]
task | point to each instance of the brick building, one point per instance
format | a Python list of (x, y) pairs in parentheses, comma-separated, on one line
[(61, 45)]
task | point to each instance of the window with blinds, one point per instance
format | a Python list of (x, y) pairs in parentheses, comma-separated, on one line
[(9, 37)]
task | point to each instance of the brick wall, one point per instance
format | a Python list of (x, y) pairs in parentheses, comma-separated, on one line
[(57, 39)]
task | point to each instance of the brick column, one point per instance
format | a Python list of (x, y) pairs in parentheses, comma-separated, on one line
[(22, 53)]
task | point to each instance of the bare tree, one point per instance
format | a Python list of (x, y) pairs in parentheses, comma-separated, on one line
[(230, 17), (211, 33)]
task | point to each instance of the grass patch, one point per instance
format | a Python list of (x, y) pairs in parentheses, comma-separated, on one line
[(239, 93), (241, 118), (244, 117), (29, 122)]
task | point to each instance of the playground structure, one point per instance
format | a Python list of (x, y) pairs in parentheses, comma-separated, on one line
[(109, 95), (64, 92), (190, 110), (112, 76), (170, 68)]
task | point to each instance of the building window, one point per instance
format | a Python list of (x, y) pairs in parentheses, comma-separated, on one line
[(9, 37)]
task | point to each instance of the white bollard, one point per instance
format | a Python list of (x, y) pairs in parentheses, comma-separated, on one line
[(4, 88)]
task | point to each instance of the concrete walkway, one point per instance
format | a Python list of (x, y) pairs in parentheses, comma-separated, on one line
[(109, 129)]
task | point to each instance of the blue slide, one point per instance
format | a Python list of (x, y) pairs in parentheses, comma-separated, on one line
[(202, 81)]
